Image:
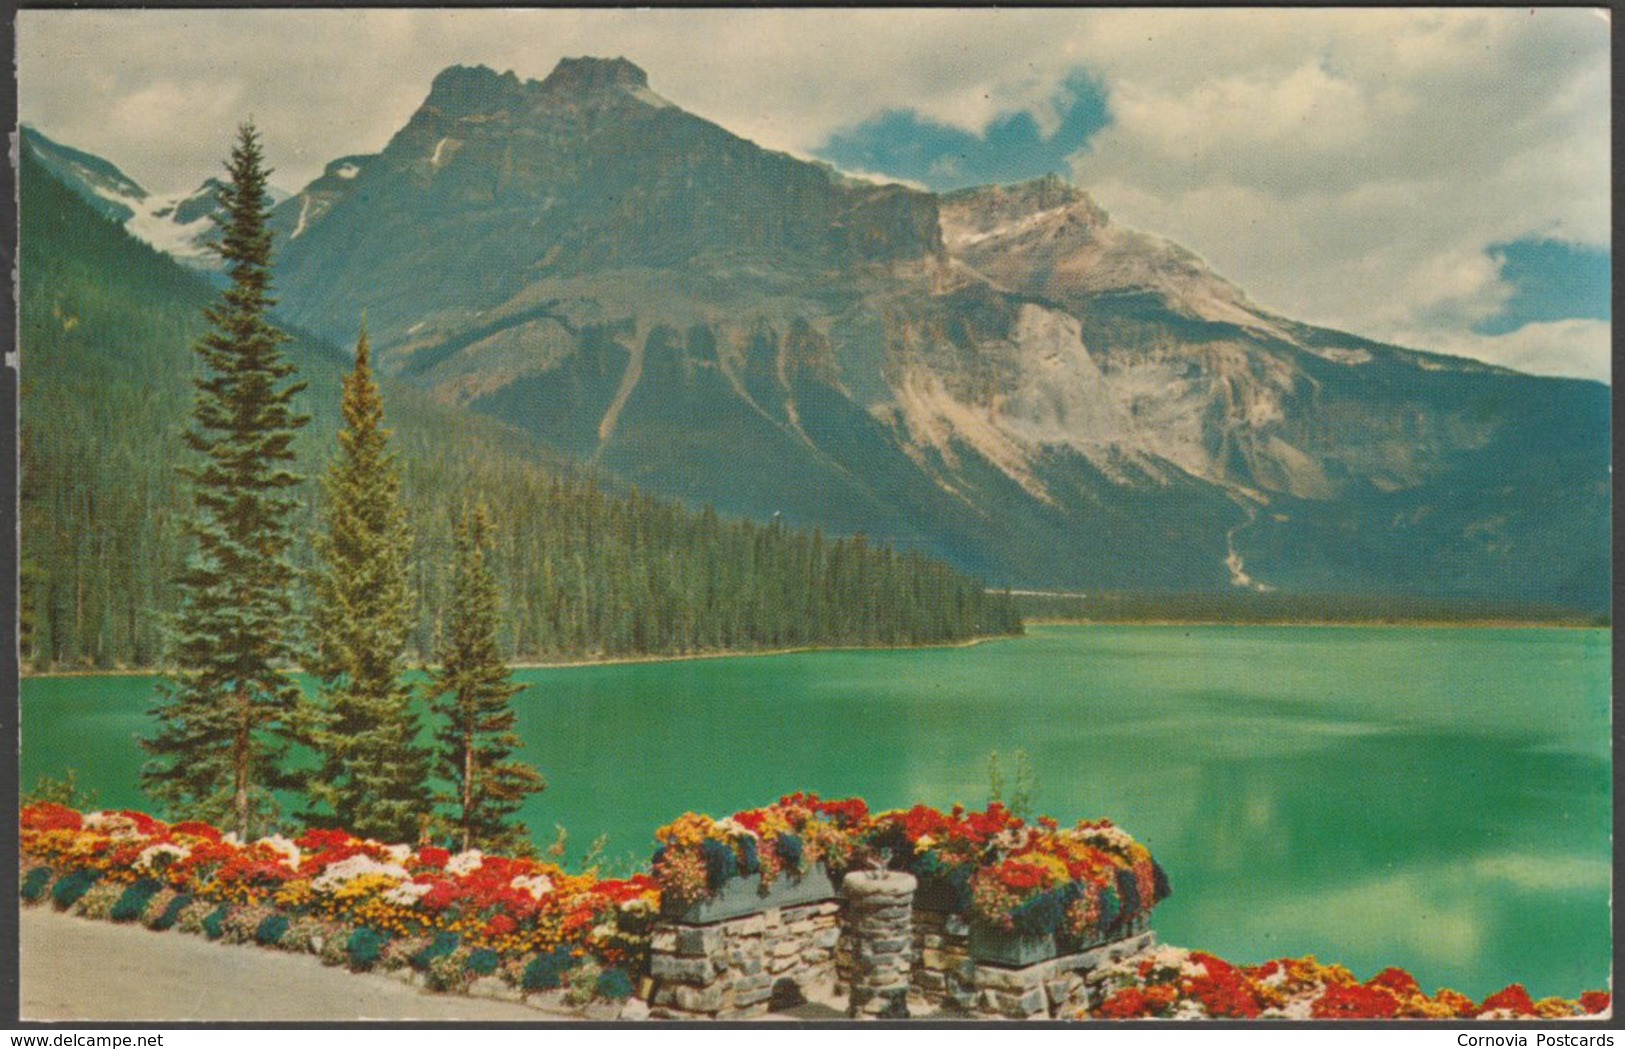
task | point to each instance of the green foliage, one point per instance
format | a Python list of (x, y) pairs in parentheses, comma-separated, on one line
[(172, 912), (615, 985), (443, 944), (373, 777), (594, 571), (470, 694), (364, 947), (214, 925), (34, 884), (64, 791), (546, 972), (1024, 790), (67, 891), (271, 929), (483, 961), (132, 904), (224, 713)]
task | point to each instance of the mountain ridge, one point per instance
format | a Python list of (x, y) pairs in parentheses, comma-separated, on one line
[(1002, 376)]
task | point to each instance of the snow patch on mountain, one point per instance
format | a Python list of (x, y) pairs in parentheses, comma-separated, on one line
[(151, 220)]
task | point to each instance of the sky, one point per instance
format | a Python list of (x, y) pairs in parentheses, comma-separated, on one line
[(1434, 178)]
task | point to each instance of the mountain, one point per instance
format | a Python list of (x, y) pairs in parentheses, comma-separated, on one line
[(180, 225), (586, 568), (1001, 376)]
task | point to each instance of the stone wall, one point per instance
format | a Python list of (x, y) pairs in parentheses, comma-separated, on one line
[(1059, 989), (742, 967), (867, 955)]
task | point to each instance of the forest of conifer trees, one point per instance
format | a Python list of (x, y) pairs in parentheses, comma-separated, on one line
[(585, 568)]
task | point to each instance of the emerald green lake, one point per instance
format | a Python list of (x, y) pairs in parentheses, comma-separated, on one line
[(1438, 799)]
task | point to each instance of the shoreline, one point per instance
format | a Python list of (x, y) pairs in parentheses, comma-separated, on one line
[(611, 661), (1420, 624)]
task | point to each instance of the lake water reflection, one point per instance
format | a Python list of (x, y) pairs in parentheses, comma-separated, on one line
[(1432, 798)]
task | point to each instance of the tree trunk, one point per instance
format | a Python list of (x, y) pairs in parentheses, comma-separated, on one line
[(240, 764), (468, 788)]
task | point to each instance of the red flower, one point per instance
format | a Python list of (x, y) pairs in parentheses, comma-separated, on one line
[(1396, 981), (1596, 1003), (1132, 1003), (922, 820), (50, 816), (1513, 998), (144, 824), (1354, 1002), (984, 825), (501, 925), (1020, 877), (433, 858), (197, 829), (1224, 991), (847, 813)]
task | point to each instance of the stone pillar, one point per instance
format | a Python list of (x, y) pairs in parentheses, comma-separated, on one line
[(880, 925)]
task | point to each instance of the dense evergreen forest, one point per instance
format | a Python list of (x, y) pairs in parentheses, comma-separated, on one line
[(586, 569)]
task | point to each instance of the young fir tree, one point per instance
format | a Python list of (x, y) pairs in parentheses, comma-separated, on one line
[(470, 694), (224, 712), (374, 778)]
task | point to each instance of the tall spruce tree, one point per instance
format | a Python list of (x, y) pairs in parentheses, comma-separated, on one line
[(470, 693), (374, 777), (224, 710)]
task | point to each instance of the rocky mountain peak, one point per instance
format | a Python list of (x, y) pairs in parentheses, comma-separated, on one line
[(470, 90), (588, 75), (983, 209)]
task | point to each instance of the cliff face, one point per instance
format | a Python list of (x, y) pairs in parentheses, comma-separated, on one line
[(1001, 375)]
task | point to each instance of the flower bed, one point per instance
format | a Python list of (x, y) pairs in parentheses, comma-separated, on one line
[(777, 855), (1029, 890), (455, 917), (1177, 984)]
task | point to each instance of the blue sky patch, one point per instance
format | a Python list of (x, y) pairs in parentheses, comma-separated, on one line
[(903, 144), (1552, 281)]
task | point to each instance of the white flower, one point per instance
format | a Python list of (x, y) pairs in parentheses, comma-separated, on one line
[(1296, 1009), (1276, 978), (399, 853), (464, 863), (407, 894), (230, 838), (291, 853), (734, 829), (111, 824), (345, 870), (157, 857), (1189, 1010), (1011, 838), (537, 885)]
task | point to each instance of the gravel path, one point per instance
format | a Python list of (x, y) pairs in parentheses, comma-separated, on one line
[(76, 969)]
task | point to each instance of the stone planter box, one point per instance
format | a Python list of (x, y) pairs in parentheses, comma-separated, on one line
[(1073, 945), (741, 896), (998, 947)]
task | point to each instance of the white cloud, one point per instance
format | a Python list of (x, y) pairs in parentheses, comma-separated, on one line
[(1347, 167), (1579, 349), (1353, 168)]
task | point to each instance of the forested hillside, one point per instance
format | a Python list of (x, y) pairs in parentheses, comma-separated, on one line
[(587, 568)]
